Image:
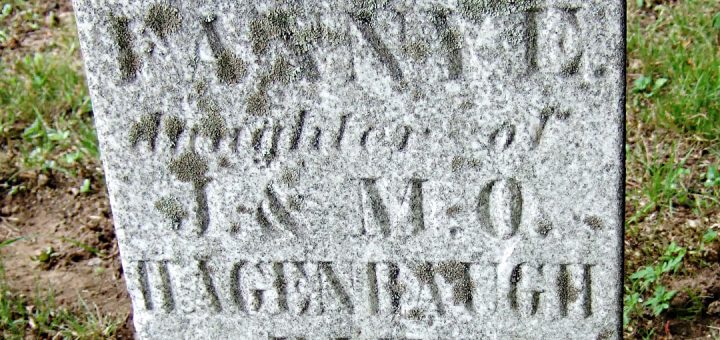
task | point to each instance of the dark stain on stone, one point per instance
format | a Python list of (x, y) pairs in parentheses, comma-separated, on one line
[(515, 278), (213, 127), (174, 127), (415, 314), (190, 167), (605, 335), (543, 227), (163, 19), (594, 222), (224, 162), (127, 59), (229, 68), (145, 130), (172, 209), (454, 210)]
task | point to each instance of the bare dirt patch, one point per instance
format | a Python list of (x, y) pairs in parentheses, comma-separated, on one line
[(75, 232)]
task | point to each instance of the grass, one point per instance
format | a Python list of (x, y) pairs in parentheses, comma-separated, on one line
[(45, 111), (679, 72), (45, 128), (673, 182)]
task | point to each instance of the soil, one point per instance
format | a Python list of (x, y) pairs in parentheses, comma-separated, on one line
[(84, 266)]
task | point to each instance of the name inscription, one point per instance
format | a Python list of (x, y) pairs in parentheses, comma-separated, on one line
[(416, 290)]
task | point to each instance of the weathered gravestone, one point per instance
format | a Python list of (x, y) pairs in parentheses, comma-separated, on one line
[(370, 169)]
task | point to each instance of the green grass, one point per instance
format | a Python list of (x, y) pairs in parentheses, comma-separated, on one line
[(45, 126), (45, 109), (679, 71), (672, 154)]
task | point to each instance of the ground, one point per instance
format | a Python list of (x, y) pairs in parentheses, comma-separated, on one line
[(61, 274), (60, 267)]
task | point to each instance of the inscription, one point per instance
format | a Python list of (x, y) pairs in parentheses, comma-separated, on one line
[(375, 217), (451, 40), (362, 18), (128, 61), (550, 38), (230, 68), (490, 209), (415, 291), (190, 167)]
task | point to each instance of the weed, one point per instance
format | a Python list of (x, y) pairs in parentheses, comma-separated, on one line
[(647, 280), (663, 182), (10, 241), (46, 257), (712, 177), (710, 236), (660, 300), (85, 247)]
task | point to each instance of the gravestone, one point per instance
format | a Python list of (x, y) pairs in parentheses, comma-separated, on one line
[(420, 169)]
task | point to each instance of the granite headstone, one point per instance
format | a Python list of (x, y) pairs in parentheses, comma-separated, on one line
[(420, 169)]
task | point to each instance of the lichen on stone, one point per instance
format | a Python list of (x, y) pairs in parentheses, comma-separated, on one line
[(213, 126), (174, 127), (424, 273), (417, 50), (276, 24), (145, 130), (128, 61), (172, 209), (452, 40), (451, 271), (189, 167), (281, 72), (478, 9), (257, 104), (457, 273), (163, 19), (230, 68)]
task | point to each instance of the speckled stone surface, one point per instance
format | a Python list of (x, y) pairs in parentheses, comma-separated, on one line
[(372, 169)]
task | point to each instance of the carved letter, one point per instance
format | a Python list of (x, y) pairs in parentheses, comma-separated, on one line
[(374, 211), (496, 193)]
